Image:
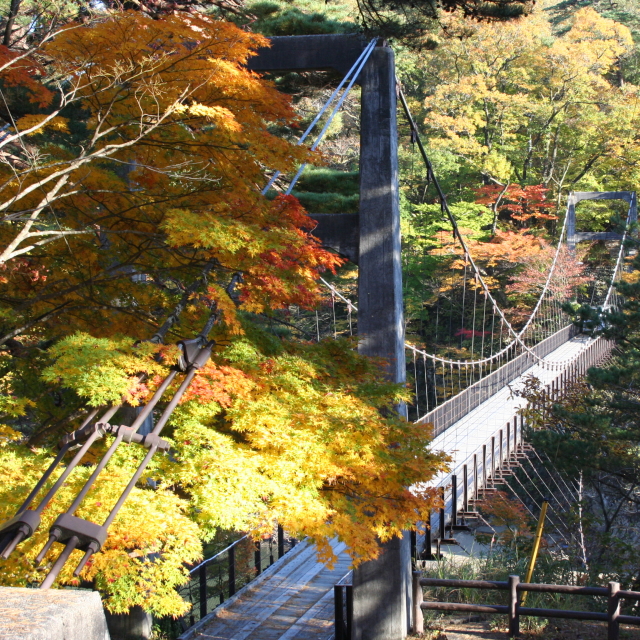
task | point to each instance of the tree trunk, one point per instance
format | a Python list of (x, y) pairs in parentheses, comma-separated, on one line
[(13, 12)]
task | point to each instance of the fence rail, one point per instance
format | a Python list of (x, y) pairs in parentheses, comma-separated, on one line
[(613, 593)]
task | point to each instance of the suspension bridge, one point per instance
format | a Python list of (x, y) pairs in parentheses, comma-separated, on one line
[(464, 369)]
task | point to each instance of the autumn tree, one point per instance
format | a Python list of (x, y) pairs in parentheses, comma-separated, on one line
[(133, 216), (518, 103)]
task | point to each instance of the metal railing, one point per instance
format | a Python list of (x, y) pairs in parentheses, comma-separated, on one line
[(218, 578), (343, 605), (455, 408), (514, 610)]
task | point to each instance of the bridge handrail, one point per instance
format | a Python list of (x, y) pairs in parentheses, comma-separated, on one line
[(217, 555), (517, 336), (220, 577)]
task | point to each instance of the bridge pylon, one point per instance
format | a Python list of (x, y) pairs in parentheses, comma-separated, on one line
[(382, 587)]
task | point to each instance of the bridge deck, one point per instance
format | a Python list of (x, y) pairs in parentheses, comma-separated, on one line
[(465, 437), (292, 603), (295, 602)]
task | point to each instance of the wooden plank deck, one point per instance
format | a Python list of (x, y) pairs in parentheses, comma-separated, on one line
[(292, 601)]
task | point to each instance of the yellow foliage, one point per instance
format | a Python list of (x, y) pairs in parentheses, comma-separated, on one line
[(41, 123), (143, 559), (508, 93)]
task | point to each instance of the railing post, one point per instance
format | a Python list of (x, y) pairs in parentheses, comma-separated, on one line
[(258, 557), (465, 489), (514, 616), (493, 460), (348, 590), (475, 480), (427, 553), (418, 618), (442, 532), (414, 545), (484, 468), (454, 501), (508, 441), (232, 570), (613, 611), (202, 574), (500, 450), (339, 612), (280, 541)]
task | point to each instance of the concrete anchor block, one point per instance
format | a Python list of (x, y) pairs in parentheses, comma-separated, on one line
[(51, 614), (135, 625)]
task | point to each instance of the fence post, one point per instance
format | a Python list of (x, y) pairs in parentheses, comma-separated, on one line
[(613, 611), (508, 442), (258, 557), (339, 612), (501, 451), (442, 532), (514, 616), (418, 618), (202, 574), (280, 541), (232, 570)]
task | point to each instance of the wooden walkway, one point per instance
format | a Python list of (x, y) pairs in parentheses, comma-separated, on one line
[(292, 600)]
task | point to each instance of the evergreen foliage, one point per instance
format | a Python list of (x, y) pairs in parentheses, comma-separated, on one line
[(413, 22), (326, 190), (591, 433), (304, 18)]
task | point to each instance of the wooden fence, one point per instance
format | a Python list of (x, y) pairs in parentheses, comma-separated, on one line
[(514, 610)]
